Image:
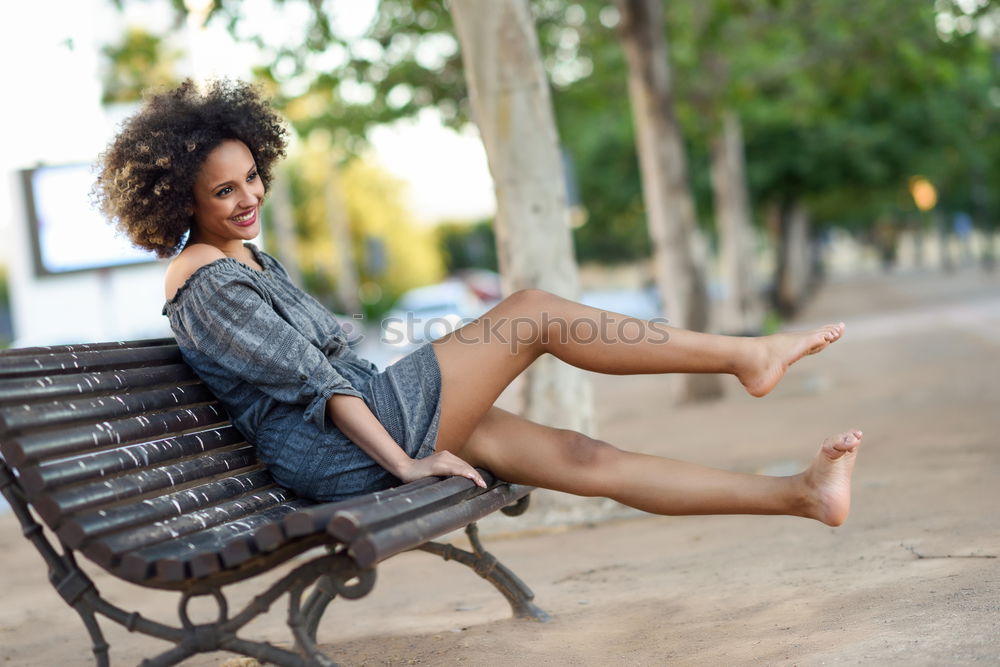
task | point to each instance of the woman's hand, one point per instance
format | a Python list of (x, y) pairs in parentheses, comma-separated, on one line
[(439, 464), (353, 417)]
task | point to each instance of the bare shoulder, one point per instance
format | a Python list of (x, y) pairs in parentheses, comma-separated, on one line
[(186, 263)]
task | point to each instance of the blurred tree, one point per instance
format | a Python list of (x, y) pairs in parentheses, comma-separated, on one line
[(839, 102), (509, 96), (380, 225), (141, 60), (589, 78), (283, 219), (6, 323), (663, 164), (468, 245)]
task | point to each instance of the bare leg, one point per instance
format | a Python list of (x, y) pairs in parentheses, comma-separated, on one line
[(522, 451), (479, 360)]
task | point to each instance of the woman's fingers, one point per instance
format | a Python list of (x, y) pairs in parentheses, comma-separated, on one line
[(453, 465)]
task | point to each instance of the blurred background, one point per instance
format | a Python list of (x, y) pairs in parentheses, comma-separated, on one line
[(736, 166), (836, 138)]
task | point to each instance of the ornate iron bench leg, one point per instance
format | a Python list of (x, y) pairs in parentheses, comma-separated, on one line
[(340, 577), (298, 621), (319, 599), (171, 657), (69, 581), (489, 568), (317, 602), (73, 586), (99, 645)]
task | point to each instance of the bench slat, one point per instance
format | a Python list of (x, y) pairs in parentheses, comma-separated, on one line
[(369, 549), (77, 530), (346, 524), (106, 551), (263, 540), (208, 563), (84, 347), (52, 474), (58, 363), (19, 450), (53, 507), (315, 519), (57, 386), (308, 521), (170, 561), (102, 408)]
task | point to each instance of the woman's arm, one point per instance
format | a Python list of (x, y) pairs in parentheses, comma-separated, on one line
[(355, 419)]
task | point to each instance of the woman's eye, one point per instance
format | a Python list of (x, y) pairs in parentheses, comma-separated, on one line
[(224, 191), (252, 176)]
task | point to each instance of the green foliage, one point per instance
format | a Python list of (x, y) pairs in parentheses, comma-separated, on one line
[(140, 61), (4, 307), (467, 246), (407, 60), (842, 101), (595, 126), (4, 288), (378, 221)]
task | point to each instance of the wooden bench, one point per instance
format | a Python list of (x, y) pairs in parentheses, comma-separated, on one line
[(128, 458)]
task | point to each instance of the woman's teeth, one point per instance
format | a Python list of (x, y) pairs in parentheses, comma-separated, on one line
[(244, 217)]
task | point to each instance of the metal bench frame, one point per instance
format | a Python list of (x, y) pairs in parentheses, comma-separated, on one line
[(350, 547)]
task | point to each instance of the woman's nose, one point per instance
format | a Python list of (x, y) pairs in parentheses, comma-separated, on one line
[(250, 195)]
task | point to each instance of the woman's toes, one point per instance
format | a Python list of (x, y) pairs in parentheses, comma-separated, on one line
[(845, 444), (840, 444)]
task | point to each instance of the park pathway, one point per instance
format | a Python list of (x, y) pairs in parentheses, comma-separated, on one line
[(913, 578)]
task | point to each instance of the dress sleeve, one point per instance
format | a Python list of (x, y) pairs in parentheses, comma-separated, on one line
[(230, 319)]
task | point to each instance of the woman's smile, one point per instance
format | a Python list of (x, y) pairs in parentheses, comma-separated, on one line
[(246, 219)]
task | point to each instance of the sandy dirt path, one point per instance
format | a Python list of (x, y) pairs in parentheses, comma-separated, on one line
[(913, 578)]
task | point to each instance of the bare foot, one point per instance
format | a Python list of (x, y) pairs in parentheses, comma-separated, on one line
[(828, 480), (772, 355)]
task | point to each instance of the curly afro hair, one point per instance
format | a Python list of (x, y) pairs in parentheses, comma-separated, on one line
[(146, 176)]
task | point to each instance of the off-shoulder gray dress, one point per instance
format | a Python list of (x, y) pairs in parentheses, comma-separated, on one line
[(273, 356)]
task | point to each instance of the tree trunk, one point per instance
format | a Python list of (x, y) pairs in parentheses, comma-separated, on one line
[(942, 227), (339, 225), (283, 220), (743, 307), (666, 194), (510, 101), (795, 276)]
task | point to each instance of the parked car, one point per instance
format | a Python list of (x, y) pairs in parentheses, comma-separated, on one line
[(643, 303), (426, 313)]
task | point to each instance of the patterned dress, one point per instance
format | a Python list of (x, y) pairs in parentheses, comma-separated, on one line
[(273, 356)]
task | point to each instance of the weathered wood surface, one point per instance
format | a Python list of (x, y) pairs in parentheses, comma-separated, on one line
[(129, 458), (349, 522), (59, 363), (56, 505), (101, 408), (103, 464), (315, 519), (36, 446), (87, 525), (107, 551), (171, 561), (58, 386), (391, 538)]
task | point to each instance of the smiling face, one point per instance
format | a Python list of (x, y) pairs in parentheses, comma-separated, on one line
[(227, 197)]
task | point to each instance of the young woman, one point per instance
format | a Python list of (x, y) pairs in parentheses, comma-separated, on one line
[(187, 175)]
